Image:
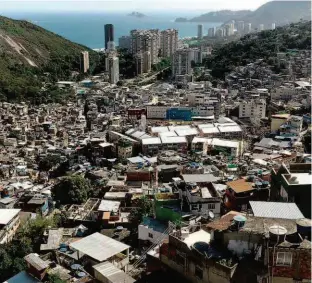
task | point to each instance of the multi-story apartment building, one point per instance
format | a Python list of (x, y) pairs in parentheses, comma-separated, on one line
[(113, 69), (261, 27), (125, 42), (200, 31), (108, 34), (84, 61), (211, 32), (168, 42), (9, 222), (241, 27), (181, 63), (248, 28), (146, 40), (252, 109), (147, 62)]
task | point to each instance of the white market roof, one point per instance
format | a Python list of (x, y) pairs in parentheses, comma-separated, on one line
[(173, 140), (99, 247), (186, 132), (151, 141), (6, 215), (282, 210)]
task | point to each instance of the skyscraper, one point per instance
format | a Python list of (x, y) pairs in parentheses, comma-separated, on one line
[(200, 31), (109, 33), (113, 69), (84, 61), (211, 32), (125, 42), (168, 42), (146, 40), (181, 63), (273, 26)]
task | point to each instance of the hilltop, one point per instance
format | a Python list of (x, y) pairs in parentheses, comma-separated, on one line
[(221, 16), (262, 45), (27, 51), (279, 12)]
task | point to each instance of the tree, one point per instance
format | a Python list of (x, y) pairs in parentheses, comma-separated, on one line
[(26, 240), (72, 189), (48, 162), (144, 207)]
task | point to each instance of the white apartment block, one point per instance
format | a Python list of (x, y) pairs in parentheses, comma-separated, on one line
[(181, 62), (84, 61), (211, 32), (146, 40), (168, 42), (261, 27), (252, 109), (9, 222), (113, 69)]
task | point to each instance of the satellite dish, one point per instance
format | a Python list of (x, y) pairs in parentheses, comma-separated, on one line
[(211, 214)]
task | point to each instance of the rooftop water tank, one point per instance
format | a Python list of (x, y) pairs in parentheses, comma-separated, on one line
[(277, 233), (239, 221), (304, 227)]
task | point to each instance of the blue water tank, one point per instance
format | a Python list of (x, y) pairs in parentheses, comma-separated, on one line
[(239, 221)]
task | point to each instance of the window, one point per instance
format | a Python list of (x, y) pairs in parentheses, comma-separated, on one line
[(180, 258), (284, 259), (150, 235), (198, 272), (211, 206)]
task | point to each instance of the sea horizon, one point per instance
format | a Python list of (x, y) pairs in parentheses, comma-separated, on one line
[(87, 28)]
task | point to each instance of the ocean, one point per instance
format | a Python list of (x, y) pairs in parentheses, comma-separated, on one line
[(88, 28)]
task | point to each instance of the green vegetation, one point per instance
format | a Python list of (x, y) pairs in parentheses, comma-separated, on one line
[(263, 45), (30, 55), (126, 64), (144, 207), (279, 12), (73, 189), (27, 240), (48, 162), (163, 64)]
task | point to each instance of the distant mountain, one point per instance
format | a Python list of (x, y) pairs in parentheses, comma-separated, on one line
[(181, 20), (221, 16), (27, 51), (279, 12), (136, 15)]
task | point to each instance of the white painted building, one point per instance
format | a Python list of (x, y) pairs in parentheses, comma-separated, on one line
[(181, 62), (113, 69), (252, 109), (168, 42)]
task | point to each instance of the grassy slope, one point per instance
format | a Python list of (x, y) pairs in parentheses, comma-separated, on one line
[(47, 50)]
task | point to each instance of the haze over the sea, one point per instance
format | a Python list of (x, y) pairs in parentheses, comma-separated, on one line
[(87, 28)]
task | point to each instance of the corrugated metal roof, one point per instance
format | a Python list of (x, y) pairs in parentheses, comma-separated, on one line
[(112, 273), (99, 247), (282, 210)]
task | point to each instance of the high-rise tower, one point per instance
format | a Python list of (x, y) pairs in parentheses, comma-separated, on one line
[(109, 34)]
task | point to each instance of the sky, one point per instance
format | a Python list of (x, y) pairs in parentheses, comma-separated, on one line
[(171, 6)]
